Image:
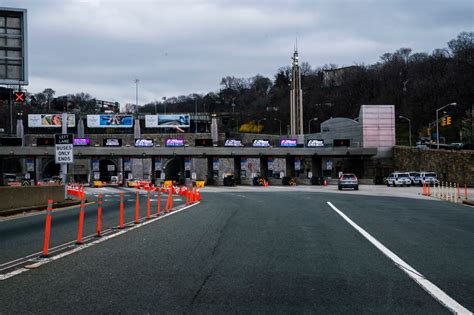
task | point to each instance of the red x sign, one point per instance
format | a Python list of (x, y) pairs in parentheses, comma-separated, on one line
[(20, 97)]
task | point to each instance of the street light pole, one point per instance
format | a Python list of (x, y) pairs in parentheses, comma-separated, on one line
[(309, 123), (437, 123), (409, 127)]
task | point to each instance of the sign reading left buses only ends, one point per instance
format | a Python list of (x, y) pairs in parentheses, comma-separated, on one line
[(64, 148)]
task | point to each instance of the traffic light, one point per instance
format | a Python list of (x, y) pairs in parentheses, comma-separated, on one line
[(19, 97), (443, 121), (448, 120)]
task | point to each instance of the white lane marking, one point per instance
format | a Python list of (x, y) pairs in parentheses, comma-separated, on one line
[(99, 240), (427, 285)]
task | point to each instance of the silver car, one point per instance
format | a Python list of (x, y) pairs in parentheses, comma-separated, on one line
[(348, 181)]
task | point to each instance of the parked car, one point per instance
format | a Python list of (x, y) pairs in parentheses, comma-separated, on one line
[(412, 176), (426, 178), (399, 179), (348, 181)]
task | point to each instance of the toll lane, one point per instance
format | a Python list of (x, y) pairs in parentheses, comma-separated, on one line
[(234, 252)]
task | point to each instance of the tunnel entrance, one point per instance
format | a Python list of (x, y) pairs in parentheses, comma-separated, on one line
[(174, 170), (51, 169), (107, 169)]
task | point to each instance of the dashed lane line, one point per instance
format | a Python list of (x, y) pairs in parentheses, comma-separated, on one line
[(427, 285)]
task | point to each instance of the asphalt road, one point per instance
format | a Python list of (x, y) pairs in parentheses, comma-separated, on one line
[(264, 252)]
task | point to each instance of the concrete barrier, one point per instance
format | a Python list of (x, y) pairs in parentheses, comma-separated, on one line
[(29, 196)]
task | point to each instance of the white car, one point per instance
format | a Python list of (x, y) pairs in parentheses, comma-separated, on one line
[(426, 178), (399, 179)]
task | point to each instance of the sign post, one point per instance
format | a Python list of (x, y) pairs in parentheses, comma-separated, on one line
[(64, 153)]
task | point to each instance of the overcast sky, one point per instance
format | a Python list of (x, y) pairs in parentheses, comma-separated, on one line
[(182, 47)]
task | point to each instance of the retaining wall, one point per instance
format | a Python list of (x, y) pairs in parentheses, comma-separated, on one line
[(450, 166), (29, 196)]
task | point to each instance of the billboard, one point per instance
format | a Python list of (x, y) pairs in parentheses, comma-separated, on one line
[(112, 142), (167, 121), (144, 143), (233, 143), (81, 141), (261, 143), (172, 142), (109, 121), (13, 47), (50, 120), (288, 143), (313, 143)]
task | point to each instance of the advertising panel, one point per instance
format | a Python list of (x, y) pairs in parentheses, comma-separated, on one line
[(187, 163), (167, 121), (313, 143), (112, 142), (215, 163), (95, 165), (243, 163), (288, 143), (261, 143), (157, 164), (270, 163), (173, 142), (81, 141), (127, 164), (30, 165), (50, 120), (144, 143), (109, 121), (233, 143), (297, 164)]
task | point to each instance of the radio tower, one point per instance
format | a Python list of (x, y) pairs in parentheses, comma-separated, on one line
[(296, 97)]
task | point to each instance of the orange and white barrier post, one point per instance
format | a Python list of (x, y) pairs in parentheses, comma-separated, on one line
[(137, 207), (47, 228), (81, 223), (465, 191), (148, 206), (158, 206), (459, 192), (121, 211), (99, 216)]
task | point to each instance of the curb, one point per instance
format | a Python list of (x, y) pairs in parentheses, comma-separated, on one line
[(468, 202), (9, 212)]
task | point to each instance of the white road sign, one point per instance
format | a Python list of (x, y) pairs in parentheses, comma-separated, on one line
[(64, 153)]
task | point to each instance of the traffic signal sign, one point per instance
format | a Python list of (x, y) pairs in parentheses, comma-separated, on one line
[(443, 121), (19, 97), (448, 120)]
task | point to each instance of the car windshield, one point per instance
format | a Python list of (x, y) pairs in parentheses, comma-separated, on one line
[(414, 174), (403, 175), (430, 175), (348, 176)]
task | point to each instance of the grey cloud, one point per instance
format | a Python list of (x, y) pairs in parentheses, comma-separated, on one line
[(100, 46)]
